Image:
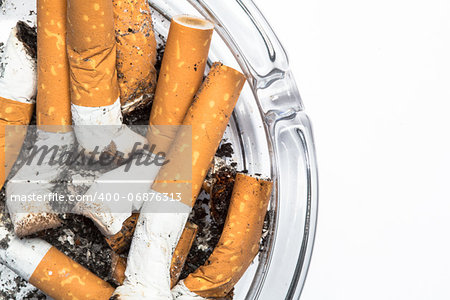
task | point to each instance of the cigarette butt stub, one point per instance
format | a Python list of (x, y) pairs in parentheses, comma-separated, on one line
[(181, 252), (53, 96), (11, 139), (17, 90), (178, 260), (239, 242), (48, 269), (208, 118), (180, 77), (91, 48), (62, 278), (136, 52)]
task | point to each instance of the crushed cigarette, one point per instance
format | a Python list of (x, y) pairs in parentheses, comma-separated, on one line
[(50, 270), (53, 120), (91, 47), (178, 260)]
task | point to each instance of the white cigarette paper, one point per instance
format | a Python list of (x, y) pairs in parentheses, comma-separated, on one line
[(125, 184), (18, 80), (37, 178), (156, 236), (91, 48), (181, 292), (113, 137), (22, 255)]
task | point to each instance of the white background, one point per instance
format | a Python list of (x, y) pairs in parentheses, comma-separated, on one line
[(375, 80)]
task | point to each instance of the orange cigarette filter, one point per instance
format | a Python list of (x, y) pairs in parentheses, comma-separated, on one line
[(63, 279), (91, 48), (239, 242), (208, 118), (178, 260), (11, 140), (53, 95), (136, 50), (180, 77)]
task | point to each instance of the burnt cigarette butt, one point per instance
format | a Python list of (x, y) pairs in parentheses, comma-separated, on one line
[(239, 242), (120, 242), (178, 260), (208, 118), (91, 48), (136, 52), (180, 77), (11, 139), (62, 278), (181, 252), (53, 96)]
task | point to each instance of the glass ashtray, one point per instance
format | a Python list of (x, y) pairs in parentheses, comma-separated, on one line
[(271, 135), (270, 132)]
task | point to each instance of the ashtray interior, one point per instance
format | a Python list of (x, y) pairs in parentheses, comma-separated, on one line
[(270, 133), (271, 136)]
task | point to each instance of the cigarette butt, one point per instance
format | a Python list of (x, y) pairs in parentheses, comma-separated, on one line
[(18, 75), (181, 252), (136, 52), (208, 118), (50, 270), (11, 140), (91, 49), (180, 77), (178, 260), (61, 278), (239, 242), (17, 90), (53, 96)]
